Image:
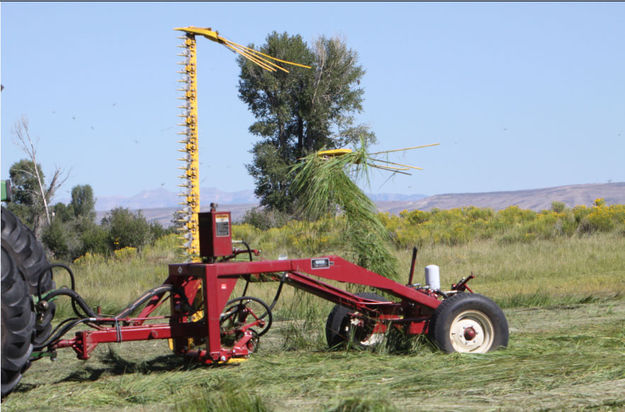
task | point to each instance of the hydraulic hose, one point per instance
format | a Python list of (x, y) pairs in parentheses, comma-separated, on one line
[(75, 298), (72, 282), (59, 332), (144, 298)]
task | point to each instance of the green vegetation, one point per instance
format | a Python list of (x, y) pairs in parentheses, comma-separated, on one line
[(562, 291), (27, 202), (69, 231), (301, 111), (326, 186), (510, 225)]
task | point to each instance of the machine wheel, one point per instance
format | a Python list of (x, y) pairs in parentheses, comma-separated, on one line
[(18, 322), (244, 311), (340, 329), (26, 252), (468, 323)]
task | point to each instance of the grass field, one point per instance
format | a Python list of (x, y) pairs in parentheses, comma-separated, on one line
[(564, 300)]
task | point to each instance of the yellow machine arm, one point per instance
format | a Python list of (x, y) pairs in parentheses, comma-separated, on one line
[(191, 176), (373, 162)]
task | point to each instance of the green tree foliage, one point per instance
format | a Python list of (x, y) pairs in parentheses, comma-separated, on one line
[(127, 229), (26, 202), (62, 239), (73, 230), (301, 111), (83, 202), (62, 212)]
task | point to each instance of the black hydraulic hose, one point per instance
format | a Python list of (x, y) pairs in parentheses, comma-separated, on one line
[(50, 340), (247, 283), (249, 250), (66, 325), (278, 292), (247, 279), (412, 265), (59, 334), (75, 298), (72, 282), (144, 298), (60, 325), (49, 268)]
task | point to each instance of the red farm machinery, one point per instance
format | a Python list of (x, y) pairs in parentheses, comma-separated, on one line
[(205, 322)]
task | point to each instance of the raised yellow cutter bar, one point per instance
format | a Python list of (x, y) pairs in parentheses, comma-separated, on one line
[(191, 176)]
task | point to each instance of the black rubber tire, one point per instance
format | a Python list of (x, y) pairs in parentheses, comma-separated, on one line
[(468, 311), (20, 244), (18, 323), (338, 325)]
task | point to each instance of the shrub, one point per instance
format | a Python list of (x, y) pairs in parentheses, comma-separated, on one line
[(558, 207), (95, 240), (61, 240), (127, 229), (513, 224), (125, 254), (264, 219)]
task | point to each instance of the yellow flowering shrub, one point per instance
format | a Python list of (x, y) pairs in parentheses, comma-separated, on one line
[(90, 259), (125, 253)]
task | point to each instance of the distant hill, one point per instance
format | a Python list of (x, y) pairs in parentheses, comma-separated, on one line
[(394, 197), (159, 205), (535, 199), (165, 215), (162, 198)]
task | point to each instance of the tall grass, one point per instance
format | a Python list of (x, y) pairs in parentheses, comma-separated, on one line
[(538, 273), (522, 274), (113, 282)]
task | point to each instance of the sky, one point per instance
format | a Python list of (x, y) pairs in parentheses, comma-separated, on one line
[(519, 95)]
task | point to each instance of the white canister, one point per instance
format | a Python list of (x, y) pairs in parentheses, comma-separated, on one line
[(433, 277)]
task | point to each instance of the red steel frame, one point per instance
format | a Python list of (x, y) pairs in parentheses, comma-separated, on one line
[(412, 312)]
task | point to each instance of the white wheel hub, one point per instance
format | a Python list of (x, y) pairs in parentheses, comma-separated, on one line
[(471, 331)]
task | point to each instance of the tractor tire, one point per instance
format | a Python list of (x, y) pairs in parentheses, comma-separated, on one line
[(18, 323), (339, 329), (26, 252), (468, 323)]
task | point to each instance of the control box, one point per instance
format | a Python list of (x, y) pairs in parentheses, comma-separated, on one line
[(215, 234)]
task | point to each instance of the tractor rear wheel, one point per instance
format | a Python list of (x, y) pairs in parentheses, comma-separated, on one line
[(18, 323), (468, 323), (20, 244), (340, 329)]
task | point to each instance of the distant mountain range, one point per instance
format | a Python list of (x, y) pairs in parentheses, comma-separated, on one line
[(162, 198), (160, 204)]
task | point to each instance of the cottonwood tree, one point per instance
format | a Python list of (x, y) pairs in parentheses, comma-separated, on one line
[(31, 193), (301, 111)]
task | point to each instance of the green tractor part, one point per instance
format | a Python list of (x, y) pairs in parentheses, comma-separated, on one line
[(6, 190)]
